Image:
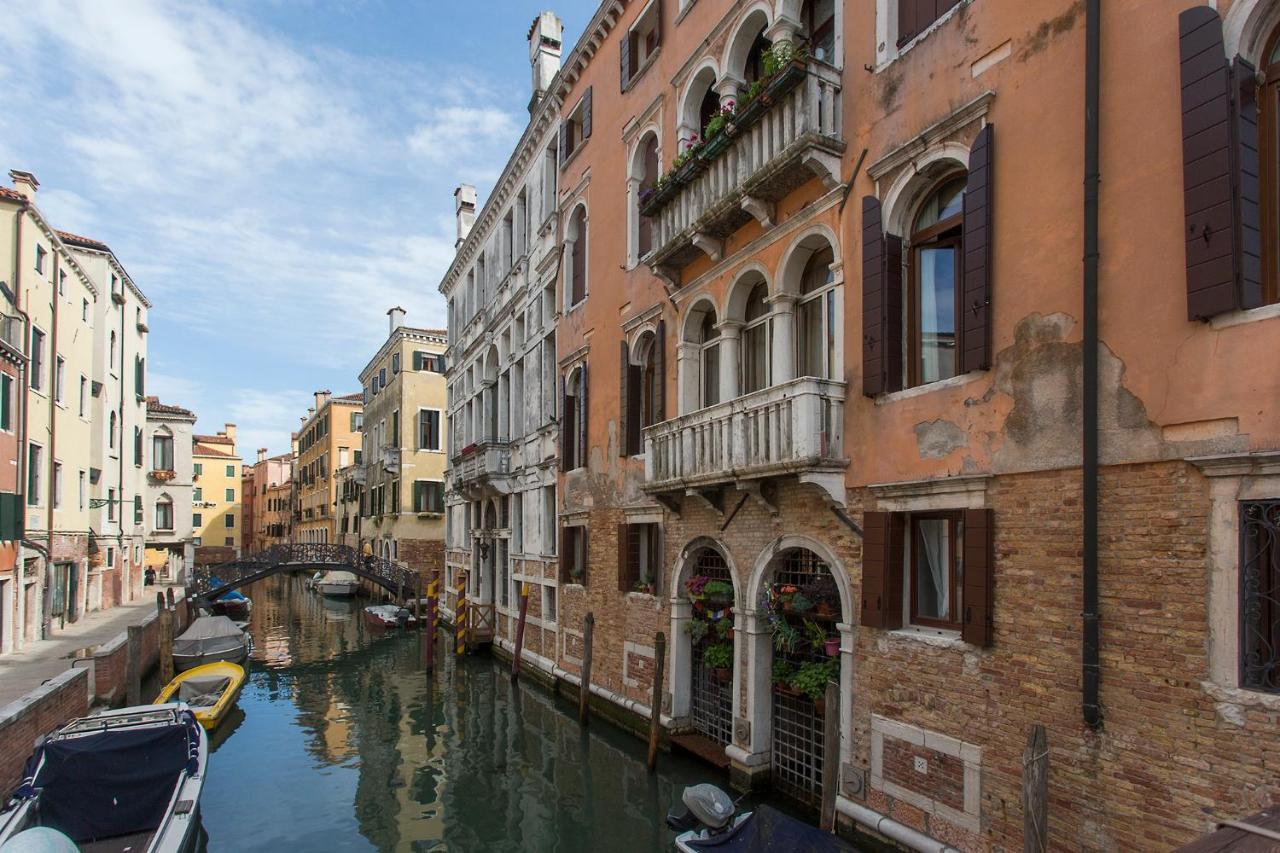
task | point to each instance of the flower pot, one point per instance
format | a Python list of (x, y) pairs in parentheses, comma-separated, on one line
[(721, 674), (820, 705), (786, 689), (832, 646)]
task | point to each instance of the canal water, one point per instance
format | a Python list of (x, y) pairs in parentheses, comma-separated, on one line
[(343, 742)]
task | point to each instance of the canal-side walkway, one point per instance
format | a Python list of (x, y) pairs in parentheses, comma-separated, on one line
[(25, 670)]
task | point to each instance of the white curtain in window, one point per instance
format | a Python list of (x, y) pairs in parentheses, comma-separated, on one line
[(931, 576)]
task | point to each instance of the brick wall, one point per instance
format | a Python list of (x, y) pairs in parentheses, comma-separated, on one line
[(425, 556), (39, 712)]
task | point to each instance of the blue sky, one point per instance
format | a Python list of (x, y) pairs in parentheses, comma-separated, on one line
[(274, 174)]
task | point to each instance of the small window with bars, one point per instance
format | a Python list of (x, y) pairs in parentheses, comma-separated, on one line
[(1260, 595)]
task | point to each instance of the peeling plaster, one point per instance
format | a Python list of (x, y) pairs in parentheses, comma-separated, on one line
[(936, 439)]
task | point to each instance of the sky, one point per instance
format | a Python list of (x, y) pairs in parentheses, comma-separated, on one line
[(273, 174)]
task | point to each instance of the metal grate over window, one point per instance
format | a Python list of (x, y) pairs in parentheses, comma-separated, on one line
[(711, 700), (1260, 595)]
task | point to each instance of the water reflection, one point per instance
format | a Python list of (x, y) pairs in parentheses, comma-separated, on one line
[(344, 743)]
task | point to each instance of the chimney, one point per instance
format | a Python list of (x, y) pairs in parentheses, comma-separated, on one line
[(262, 454), (230, 432), (397, 318), (544, 53), (322, 397), (464, 207), (25, 183)]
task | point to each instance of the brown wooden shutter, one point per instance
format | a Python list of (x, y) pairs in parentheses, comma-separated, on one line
[(586, 554), (976, 302), (907, 20), (624, 400), (882, 567), (626, 49), (657, 30), (624, 567), (881, 304), (566, 554), (586, 115), (979, 576), (564, 413), (1220, 169), (660, 370), (584, 415), (561, 144)]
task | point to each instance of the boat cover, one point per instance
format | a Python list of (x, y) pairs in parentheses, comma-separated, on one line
[(229, 595), (207, 635), (339, 577), (769, 829), (111, 783), (203, 691)]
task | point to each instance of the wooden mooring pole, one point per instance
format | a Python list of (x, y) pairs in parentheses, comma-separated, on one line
[(655, 698), (460, 619), (166, 639), (1035, 792), (133, 666), (524, 614), (430, 636), (830, 756), (584, 692)]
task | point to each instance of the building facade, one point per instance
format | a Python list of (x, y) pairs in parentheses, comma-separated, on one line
[(347, 509), (265, 501), (502, 375), (403, 459), (170, 498), (328, 440), (217, 511), (872, 421)]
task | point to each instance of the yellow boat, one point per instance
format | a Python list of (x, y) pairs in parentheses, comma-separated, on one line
[(210, 690)]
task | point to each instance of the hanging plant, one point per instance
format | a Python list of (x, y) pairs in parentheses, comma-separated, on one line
[(697, 629), (718, 656), (811, 678), (786, 637), (783, 670), (718, 591)]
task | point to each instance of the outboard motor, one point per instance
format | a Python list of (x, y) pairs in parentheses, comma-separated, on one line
[(702, 805), (402, 617)]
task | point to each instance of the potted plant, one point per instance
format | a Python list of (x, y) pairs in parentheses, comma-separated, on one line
[(696, 629), (718, 659), (811, 679), (798, 604), (718, 592), (815, 634), (643, 586), (824, 594), (783, 670), (785, 636)]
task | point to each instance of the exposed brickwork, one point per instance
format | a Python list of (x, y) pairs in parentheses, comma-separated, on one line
[(425, 556), (19, 730), (942, 779)]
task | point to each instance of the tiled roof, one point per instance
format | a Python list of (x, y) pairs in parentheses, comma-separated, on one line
[(357, 397), (11, 195), (201, 449), (212, 439), (156, 407), (86, 242)]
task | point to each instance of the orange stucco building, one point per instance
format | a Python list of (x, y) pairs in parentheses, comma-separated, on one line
[(851, 362)]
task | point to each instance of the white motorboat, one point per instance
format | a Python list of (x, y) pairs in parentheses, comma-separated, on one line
[(208, 640), (389, 616), (125, 780), (337, 584)]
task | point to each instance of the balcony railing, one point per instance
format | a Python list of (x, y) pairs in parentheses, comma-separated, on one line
[(796, 428), (391, 460), (794, 135), (483, 467)]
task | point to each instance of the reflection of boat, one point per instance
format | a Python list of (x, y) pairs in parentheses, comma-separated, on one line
[(232, 604), (210, 639), (230, 723), (337, 584), (336, 609), (123, 780), (388, 616), (210, 690), (708, 819)]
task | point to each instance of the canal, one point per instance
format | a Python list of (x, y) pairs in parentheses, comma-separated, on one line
[(343, 742)]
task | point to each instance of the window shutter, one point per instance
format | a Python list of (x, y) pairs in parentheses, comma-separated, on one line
[(657, 27), (660, 370), (560, 425), (560, 144), (624, 568), (584, 414), (586, 115), (626, 48), (979, 576), (1220, 168), (875, 528), (624, 401), (976, 303), (881, 304), (907, 20), (566, 554), (586, 555)]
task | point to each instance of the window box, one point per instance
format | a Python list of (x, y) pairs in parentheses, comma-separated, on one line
[(162, 476)]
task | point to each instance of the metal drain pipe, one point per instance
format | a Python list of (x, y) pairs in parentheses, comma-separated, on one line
[(890, 828)]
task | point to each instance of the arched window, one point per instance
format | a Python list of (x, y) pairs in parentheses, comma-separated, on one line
[(934, 287), (164, 513), (754, 69), (709, 360), (111, 431), (650, 381), (576, 237), (1269, 132), (573, 420), (816, 318), (648, 175), (819, 18), (708, 109), (755, 340), (111, 356)]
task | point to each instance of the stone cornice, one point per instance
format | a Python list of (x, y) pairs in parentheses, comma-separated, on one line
[(1255, 464), (930, 136)]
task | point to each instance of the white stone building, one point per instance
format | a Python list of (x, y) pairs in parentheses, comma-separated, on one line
[(167, 441)]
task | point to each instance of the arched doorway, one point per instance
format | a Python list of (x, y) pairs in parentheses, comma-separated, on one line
[(802, 606), (708, 587)]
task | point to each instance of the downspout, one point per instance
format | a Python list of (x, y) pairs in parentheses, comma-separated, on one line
[(124, 573), (53, 450), (20, 570), (1090, 652)]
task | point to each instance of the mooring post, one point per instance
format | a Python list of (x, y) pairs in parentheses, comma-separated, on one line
[(133, 666), (417, 603), (1035, 791), (655, 697), (166, 639), (524, 614), (168, 598), (584, 692), (430, 637), (830, 756), (460, 619)]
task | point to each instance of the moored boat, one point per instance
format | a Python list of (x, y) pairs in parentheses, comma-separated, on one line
[(210, 639), (233, 604), (209, 690), (708, 819), (124, 780), (338, 584), (389, 616)]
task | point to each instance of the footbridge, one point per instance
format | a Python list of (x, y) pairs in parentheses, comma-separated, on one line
[(388, 574)]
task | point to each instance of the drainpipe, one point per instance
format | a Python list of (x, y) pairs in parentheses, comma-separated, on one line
[(124, 573), (890, 828), (20, 571), (1090, 652), (53, 452)]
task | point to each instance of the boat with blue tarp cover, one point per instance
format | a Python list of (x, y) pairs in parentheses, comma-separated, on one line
[(124, 780), (708, 820)]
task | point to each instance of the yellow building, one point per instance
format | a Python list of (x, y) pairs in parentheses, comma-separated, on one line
[(404, 446), (215, 513), (329, 439)]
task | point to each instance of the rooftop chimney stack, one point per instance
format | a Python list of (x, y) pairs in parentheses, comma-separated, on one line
[(25, 183), (262, 454), (464, 206), (230, 432), (397, 318), (545, 35), (322, 397)]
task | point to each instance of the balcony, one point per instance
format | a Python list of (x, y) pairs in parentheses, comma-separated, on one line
[(483, 469), (390, 458), (792, 429), (360, 475), (778, 142)]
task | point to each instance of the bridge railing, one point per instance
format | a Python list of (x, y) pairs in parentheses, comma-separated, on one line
[(324, 556)]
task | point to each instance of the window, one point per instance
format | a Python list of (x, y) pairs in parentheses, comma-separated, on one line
[(162, 452), (59, 377), (112, 425), (428, 496), (34, 454), (935, 571), (645, 172), (639, 557), (111, 504), (62, 282), (934, 290), (111, 352), (139, 376), (517, 522), (37, 360), (231, 495), (137, 509), (57, 485), (1269, 143), (6, 401), (84, 310), (231, 472), (641, 42), (395, 363), (819, 19), (83, 489), (548, 520), (84, 397), (197, 468), (197, 519), (40, 256), (642, 391), (164, 513), (1260, 595), (357, 421), (573, 421), (548, 604), (197, 494), (230, 520), (756, 340), (230, 541), (137, 447), (395, 428), (429, 429), (573, 555), (576, 238), (576, 129), (816, 333), (916, 16)]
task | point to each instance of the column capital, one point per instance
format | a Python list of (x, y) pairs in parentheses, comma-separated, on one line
[(729, 328), (783, 303), (783, 29)]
